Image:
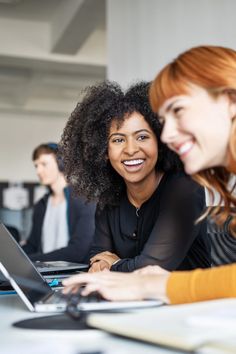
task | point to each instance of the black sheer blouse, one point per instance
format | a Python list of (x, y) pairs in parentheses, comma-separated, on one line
[(162, 232)]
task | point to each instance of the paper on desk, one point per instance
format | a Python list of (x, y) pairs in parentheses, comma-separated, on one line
[(222, 318), (219, 347)]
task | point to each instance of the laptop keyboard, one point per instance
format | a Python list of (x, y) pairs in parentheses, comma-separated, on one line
[(76, 304), (75, 299)]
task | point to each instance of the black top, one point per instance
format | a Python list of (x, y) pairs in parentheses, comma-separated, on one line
[(81, 225), (162, 232)]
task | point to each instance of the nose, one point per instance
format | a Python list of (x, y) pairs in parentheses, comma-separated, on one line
[(38, 170), (169, 131), (131, 147)]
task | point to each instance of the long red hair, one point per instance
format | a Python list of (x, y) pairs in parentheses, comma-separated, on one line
[(212, 68)]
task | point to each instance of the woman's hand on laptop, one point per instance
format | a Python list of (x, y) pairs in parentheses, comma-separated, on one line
[(117, 286)]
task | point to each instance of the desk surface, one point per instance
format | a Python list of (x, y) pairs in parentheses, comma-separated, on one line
[(21, 341)]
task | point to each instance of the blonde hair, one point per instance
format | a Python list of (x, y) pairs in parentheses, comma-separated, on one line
[(213, 68)]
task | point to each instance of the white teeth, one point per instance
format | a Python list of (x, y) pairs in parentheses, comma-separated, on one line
[(132, 162), (185, 147)]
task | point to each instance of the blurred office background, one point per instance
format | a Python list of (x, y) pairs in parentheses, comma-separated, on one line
[(50, 50)]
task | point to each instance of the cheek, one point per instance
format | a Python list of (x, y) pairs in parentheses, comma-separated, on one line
[(153, 152), (191, 121), (115, 165), (53, 171), (162, 134), (155, 158), (109, 152), (114, 153), (207, 115), (111, 156)]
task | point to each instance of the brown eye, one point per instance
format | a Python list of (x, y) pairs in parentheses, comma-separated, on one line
[(177, 110), (142, 137), (117, 140)]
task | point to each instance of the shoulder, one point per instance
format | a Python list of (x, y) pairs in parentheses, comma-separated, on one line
[(108, 212), (42, 201), (72, 198), (182, 180), (40, 207), (180, 186)]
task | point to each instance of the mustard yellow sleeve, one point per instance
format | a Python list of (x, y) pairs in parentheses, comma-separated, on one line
[(202, 284)]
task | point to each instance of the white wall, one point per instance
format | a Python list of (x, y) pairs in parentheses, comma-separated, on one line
[(143, 35), (19, 135)]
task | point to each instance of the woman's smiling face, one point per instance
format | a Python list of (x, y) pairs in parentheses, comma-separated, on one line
[(133, 149), (197, 127)]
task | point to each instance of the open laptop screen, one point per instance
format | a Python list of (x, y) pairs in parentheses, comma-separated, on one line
[(19, 266)]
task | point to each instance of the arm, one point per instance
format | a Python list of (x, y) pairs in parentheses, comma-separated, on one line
[(202, 284), (117, 286), (174, 288), (174, 232), (102, 238), (101, 251), (82, 232)]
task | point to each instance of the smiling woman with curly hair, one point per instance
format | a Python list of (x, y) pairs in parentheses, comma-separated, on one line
[(146, 204)]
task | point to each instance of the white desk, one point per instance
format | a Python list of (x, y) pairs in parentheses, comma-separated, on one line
[(22, 341)]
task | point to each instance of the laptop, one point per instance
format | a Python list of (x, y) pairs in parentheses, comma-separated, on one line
[(15, 265), (34, 290), (59, 267)]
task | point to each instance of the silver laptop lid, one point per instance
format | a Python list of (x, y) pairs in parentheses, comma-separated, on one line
[(18, 266), (59, 267)]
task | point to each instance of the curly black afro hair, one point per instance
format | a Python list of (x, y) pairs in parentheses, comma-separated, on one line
[(84, 142)]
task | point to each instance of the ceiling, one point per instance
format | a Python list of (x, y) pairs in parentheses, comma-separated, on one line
[(50, 50)]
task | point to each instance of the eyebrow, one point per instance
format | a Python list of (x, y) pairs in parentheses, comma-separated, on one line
[(136, 132), (168, 108)]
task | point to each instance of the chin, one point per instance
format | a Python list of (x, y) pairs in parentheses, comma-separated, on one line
[(45, 183), (190, 169)]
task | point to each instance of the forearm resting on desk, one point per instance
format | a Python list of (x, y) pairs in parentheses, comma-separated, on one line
[(102, 260)]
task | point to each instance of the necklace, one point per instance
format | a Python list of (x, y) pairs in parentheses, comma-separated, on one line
[(137, 212)]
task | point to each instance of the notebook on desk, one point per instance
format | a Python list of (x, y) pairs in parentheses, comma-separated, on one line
[(208, 325), (34, 290)]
